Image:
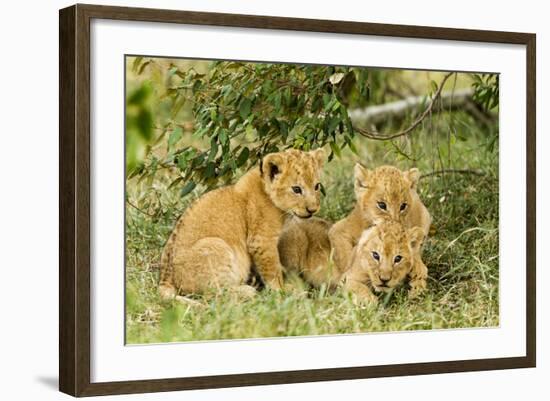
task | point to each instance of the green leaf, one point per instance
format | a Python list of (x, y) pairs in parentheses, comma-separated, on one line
[(353, 148), (433, 84), (336, 149), (249, 130), (277, 102), (180, 101), (187, 188), (288, 97), (159, 138), (316, 104), (333, 123), (213, 114), (223, 137), (174, 137), (144, 123), (136, 63), (142, 67), (140, 95), (200, 132), (182, 162), (196, 85), (330, 103), (210, 170), (326, 100), (245, 108), (213, 149), (197, 160), (175, 182), (243, 156)]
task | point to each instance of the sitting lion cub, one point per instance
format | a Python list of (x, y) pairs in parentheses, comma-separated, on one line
[(384, 256), (385, 193), (226, 231)]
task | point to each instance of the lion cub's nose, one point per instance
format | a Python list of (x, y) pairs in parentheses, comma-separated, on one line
[(311, 211)]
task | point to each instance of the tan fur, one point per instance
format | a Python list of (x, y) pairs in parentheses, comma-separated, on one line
[(226, 231), (304, 247), (393, 187), (387, 240)]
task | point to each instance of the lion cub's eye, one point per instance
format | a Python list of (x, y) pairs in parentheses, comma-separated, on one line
[(403, 206), (318, 186), (297, 190), (382, 205), (397, 259), (375, 255)]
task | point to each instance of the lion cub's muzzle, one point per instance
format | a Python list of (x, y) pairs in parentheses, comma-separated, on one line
[(309, 213)]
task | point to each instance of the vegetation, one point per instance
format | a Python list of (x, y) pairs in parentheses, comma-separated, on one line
[(188, 125)]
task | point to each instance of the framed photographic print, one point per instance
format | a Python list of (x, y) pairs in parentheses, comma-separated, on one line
[(250, 200)]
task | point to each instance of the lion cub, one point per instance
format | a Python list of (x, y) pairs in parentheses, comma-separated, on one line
[(385, 193), (304, 247), (383, 257), (226, 231)]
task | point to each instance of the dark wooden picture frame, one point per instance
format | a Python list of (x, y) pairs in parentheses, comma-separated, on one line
[(74, 199)]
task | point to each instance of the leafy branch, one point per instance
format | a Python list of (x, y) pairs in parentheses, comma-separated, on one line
[(208, 124)]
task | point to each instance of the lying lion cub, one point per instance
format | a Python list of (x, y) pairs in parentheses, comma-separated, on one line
[(384, 256), (385, 193), (224, 232)]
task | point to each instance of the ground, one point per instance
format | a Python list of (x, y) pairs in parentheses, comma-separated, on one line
[(461, 254)]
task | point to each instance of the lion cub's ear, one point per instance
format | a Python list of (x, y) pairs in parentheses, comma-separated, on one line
[(319, 155), (271, 165), (362, 177), (416, 236), (412, 175)]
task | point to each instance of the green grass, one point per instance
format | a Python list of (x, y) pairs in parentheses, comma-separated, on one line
[(461, 255)]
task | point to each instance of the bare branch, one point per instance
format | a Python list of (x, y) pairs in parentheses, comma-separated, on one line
[(138, 209), (373, 135), (399, 109)]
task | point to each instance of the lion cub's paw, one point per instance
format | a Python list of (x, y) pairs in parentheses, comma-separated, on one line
[(245, 292), (275, 283), (167, 292), (417, 289), (365, 299), (361, 294)]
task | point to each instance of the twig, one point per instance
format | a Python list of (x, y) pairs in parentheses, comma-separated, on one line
[(189, 301), (400, 109), (139, 210), (372, 135), (454, 171), (469, 230)]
